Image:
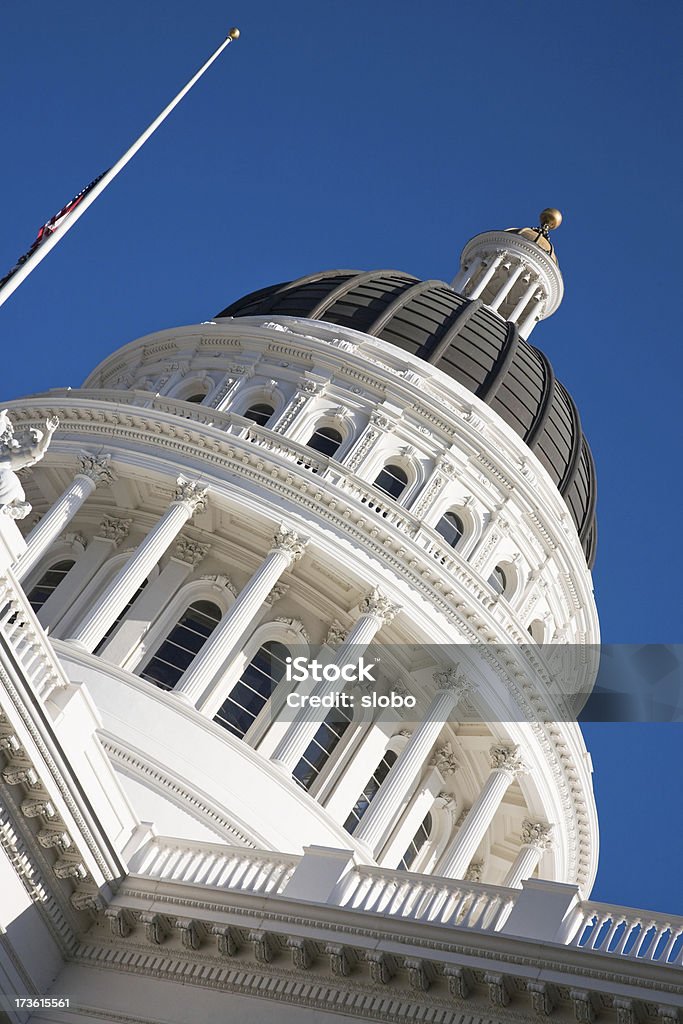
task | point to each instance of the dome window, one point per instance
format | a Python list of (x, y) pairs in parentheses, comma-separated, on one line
[(48, 583), (253, 690), (325, 440), (321, 747), (536, 631), (416, 843), (197, 399), (498, 581), (392, 480), (451, 528), (260, 413), (370, 790), (185, 640)]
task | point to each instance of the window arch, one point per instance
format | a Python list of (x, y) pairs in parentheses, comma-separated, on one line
[(536, 630), (48, 582), (392, 480), (370, 790), (451, 528), (326, 440), (320, 748), (417, 843), (183, 643), (254, 688), (259, 412)]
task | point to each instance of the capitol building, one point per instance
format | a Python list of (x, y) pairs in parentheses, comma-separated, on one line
[(346, 471)]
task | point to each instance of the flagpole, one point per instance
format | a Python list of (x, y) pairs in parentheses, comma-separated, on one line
[(41, 252)]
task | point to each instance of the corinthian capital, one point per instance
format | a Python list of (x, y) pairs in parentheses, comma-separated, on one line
[(453, 681), (507, 759), (95, 467), (537, 834), (191, 494), (114, 529), (380, 606), (290, 542)]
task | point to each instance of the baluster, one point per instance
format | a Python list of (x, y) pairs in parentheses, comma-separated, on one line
[(666, 952), (656, 939), (642, 944), (628, 932), (616, 921)]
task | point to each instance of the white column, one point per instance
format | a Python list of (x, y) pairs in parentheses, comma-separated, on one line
[(463, 278), (287, 548), (376, 824), (127, 645), (536, 837), (189, 498), (506, 765), (376, 610), (524, 301), (94, 469), (507, 286), (493, 267), (111, 532), (534, 314)]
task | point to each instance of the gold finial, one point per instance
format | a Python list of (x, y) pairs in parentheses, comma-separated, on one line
[(549, 219), (234, 33)]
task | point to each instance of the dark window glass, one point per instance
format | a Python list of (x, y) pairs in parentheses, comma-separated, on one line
[(451, 529), (392, 480), (370, 790), (250, 695), (321, 746), (48, 583), (185, 640), (119, 618), (416, 843), (196, 398), (259, 413), (498, 580), (325, 440)]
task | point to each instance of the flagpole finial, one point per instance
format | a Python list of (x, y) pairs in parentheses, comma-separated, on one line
[(234, 33)]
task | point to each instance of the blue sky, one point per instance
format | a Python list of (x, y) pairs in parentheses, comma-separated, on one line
[(385, 135)]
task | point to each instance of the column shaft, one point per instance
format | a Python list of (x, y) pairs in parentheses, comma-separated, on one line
[(221, 645), (380, 817), (128, 579), (53, 522), (507, 287), (524, 301), (479, 288), (473, 829), (523, 866)]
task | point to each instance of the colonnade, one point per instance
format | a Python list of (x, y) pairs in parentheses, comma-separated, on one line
[(376, 610), (505, 270)]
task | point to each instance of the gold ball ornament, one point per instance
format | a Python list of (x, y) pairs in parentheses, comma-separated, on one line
[(234, 33), (550, 218)]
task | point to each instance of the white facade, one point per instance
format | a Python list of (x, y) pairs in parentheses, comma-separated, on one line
[(176, 851)]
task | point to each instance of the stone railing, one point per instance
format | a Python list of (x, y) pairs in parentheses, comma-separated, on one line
[(439, 901), (222, 867), (622, 932), (26, 639)]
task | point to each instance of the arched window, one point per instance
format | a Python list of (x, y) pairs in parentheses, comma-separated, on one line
[(185, 640), (451, 528), (325, 440), (498, 580), (536, 630), (321, 746), (392, 480), (260, 413), (198, 398), (49, 582), (119, 618), (370, 790), (253, 690), (416, 843)]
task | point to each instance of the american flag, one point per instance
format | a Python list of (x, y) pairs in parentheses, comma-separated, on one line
[(49, 228)]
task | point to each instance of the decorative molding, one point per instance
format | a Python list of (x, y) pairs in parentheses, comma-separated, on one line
[(190, 551), (113, 528)]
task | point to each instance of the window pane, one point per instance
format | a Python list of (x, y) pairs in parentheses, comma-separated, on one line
[(259, 413), (370, 790), (252, 691), (450, 527), (417, 842), (392, 481), (498, 580), (196, 398), (48, 583), (182, 644), (325, 440), (321, 746)]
